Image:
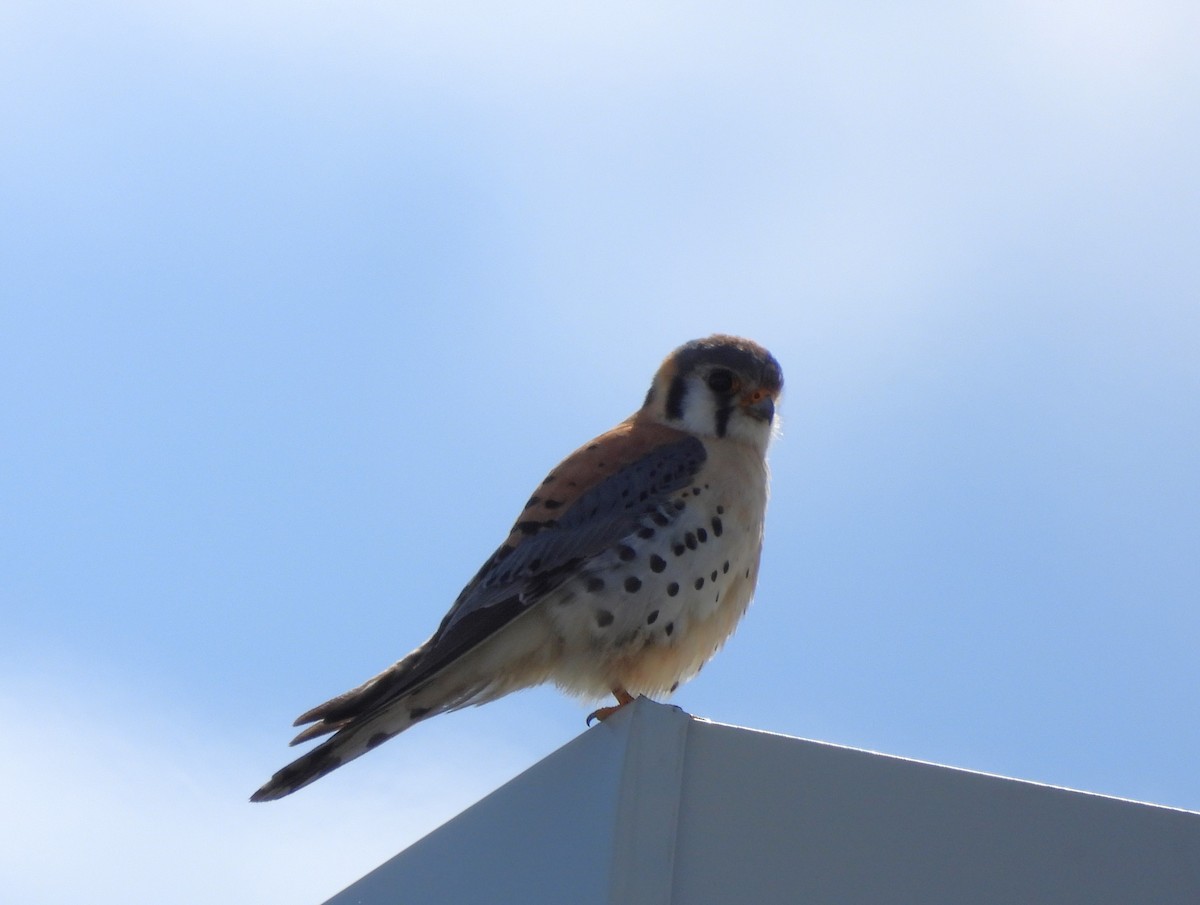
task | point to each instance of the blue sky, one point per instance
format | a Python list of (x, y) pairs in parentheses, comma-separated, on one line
[(297, 304)]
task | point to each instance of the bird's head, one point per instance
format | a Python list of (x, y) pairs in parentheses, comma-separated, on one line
[(720, 386)]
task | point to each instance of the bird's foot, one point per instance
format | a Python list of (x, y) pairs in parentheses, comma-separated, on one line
[(623, 697)]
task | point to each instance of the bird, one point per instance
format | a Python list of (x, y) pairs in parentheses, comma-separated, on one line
[(626, 571)]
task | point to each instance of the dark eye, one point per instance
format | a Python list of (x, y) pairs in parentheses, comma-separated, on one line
[(720, 381)]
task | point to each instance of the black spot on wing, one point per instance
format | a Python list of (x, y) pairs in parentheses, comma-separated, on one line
[(516, 577), (638, 488)]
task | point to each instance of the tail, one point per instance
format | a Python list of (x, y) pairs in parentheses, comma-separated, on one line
[(358, 737), (449, 671), (360, 719)]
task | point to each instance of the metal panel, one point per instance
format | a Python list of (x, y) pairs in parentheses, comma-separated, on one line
[(771, 819), (648, 810), (654, 807), (545, 836)]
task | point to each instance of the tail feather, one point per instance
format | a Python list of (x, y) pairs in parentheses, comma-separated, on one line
[(388, 685), (365, 718), (403, 694), (316, 731), (355, 738)]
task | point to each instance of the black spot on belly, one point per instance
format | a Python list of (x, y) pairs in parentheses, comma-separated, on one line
[(626, 552), (652, 618), (669, 628), (632, 584), (699, 583), (595, 584), (717, 526), (690, 540), (713, 577), (657, 563), (646, 533), (673, 589), (701, 535), (725, 568), (678, 549), (603, 618)]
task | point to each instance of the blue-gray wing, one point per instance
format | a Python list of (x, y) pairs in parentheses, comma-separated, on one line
[(555, 538), (551, 551)]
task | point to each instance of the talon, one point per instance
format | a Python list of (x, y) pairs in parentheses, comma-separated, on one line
[(623, 697), (602, 714)]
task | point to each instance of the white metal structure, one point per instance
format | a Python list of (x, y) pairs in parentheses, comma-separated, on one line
[(654, 807)]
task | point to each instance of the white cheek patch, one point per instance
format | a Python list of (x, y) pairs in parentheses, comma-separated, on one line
[(699, 410), (699, 416)]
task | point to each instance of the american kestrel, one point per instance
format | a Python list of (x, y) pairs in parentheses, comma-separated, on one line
[(626, 571)]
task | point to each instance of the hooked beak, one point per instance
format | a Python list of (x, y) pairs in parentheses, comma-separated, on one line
[(759, 405)]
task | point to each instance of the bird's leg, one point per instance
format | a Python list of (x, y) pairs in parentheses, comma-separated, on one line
[(623, 697)]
